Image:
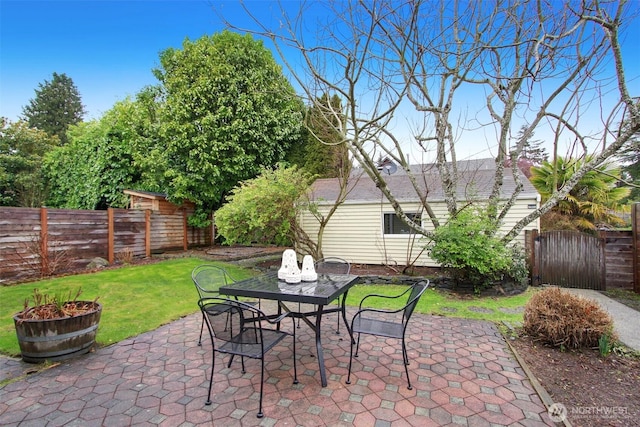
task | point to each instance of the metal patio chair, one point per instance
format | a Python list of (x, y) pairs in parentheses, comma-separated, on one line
[(386, 323), (238, 329), (208, 278)]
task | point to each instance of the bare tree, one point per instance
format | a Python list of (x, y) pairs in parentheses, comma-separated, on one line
[(458, 71)]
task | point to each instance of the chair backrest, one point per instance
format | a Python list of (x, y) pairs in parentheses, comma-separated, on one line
[(333, 265), (208, 278), (414, 296), (225, 320)]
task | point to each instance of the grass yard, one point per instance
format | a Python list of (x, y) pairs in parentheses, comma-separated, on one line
[(437, 302), (140, 298), (135, 299)]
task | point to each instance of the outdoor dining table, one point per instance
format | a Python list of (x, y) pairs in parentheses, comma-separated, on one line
[(320, 293)]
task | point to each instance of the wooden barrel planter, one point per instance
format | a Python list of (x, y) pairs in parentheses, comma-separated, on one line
[(57, 339)]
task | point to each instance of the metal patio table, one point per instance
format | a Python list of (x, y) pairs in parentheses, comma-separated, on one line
[(320, 293)]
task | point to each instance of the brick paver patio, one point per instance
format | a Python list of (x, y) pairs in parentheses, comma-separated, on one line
[(463, 374)]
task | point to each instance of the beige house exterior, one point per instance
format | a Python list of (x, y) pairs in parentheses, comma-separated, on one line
[(365, 229)]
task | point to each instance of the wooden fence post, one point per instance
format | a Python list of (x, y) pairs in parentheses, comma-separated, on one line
[(635, 233), (44, 242), (185, 240), (602, 235), (213, 229), (535, 268), (147, 233), (110, 236)]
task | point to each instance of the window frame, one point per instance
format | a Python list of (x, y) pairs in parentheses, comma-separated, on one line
[(396, 222)]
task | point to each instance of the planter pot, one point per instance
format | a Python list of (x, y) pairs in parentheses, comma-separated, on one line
[(57, 339)]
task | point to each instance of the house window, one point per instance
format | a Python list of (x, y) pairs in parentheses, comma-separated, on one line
[(394, 225)]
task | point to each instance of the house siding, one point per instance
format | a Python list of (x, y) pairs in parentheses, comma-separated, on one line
[(355, 232)]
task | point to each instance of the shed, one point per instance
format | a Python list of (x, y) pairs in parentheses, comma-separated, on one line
[(156, 202), (366, 230)]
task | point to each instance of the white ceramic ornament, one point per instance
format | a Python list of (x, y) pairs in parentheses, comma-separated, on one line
[(308, 273)]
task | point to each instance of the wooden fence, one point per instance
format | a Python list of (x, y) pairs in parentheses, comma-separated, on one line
[(39, 241), (621, 253)]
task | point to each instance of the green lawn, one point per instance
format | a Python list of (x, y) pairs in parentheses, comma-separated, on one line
[(140, 298), (135, 299)]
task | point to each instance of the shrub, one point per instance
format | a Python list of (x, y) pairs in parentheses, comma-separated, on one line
[(469, 248), (263, 210), (561, 319)]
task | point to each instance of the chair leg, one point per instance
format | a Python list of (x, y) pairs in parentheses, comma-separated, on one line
[(404, 353), (351, 360), (406, 365), (295, 369), (213, 367), (357, 345), (260, 414), (201, 330)]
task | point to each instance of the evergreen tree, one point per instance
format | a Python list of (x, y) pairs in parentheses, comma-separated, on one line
[(323, 152), (630, 158), (532, 154), (56, 106)]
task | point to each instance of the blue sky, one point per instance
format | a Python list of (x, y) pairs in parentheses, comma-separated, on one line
[(108, 48)]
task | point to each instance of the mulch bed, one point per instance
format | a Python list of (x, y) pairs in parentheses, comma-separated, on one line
[(597, 391)]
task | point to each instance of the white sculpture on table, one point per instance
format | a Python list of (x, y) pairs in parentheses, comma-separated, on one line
[(289, 270), (308, 273)]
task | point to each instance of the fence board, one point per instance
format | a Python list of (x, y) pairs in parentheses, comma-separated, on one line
[(567, 263), (80, 235), (571, 259)]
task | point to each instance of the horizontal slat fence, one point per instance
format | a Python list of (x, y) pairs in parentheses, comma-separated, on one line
[(618, 253), (19, 243), (37, 241), (168, 231)]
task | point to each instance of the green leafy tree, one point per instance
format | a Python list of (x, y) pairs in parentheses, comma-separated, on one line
[(73, 169), (103, 158), (264, 209), (228, 112), (56, 106), (592, 202), (468, 246), (21, 151)]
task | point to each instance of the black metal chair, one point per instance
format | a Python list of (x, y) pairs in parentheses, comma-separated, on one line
[(208, 278), (236, 328), (386, 323), (335, 265)]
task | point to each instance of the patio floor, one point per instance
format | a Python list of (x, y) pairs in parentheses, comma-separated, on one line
[(463, 374)]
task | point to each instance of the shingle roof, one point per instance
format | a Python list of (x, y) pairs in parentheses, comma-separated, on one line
[(476, 179)]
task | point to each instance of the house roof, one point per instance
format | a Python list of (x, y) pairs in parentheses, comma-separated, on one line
[(146, 194), (475, 181)]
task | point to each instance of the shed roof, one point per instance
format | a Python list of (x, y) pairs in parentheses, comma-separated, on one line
[(476, 179), (146, 194)]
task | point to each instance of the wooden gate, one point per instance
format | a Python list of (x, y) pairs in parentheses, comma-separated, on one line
[(569, 259)]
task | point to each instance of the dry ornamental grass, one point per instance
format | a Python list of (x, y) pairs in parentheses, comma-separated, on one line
[(561, 319)]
